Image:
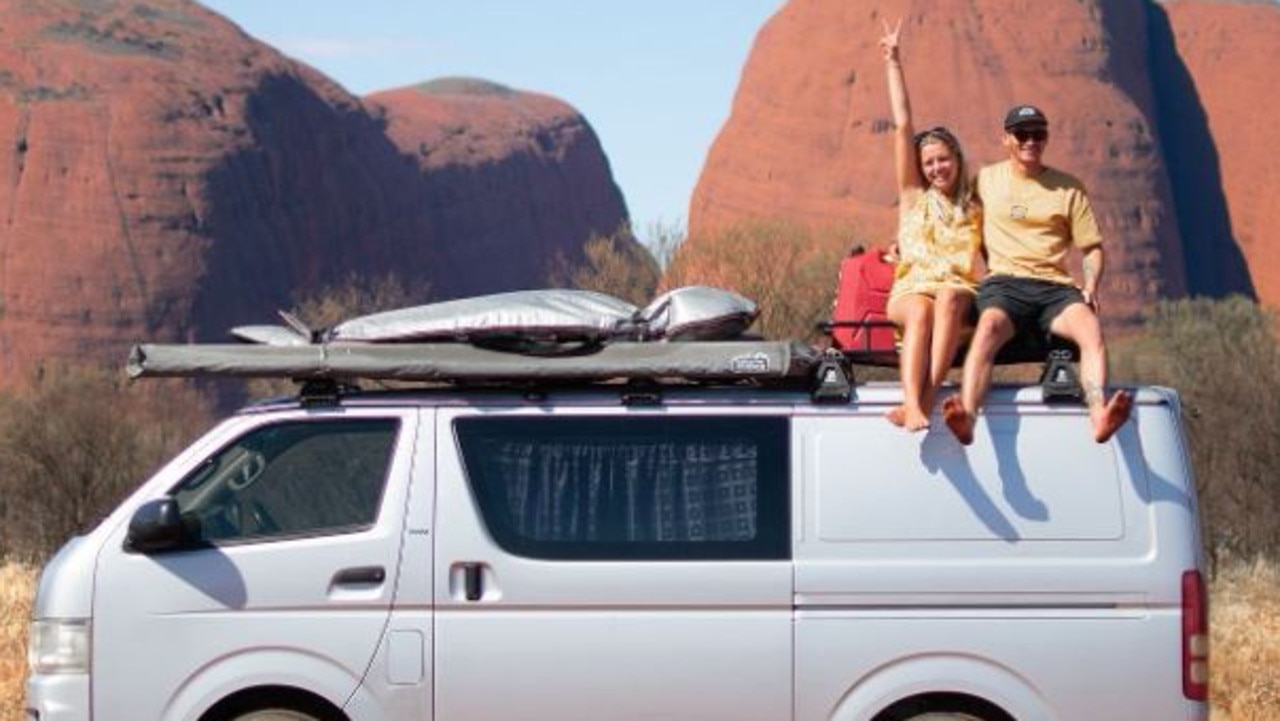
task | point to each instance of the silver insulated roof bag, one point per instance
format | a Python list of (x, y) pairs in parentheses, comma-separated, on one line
[(552, 315), (698, 312), (582, 336), (531, 320)]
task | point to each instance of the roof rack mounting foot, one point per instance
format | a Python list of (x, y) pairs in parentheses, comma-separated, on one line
[(834, 378), (322, 391), (641, 392), (1059, 382)]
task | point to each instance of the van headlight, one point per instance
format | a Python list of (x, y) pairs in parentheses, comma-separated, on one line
[(59, 646)]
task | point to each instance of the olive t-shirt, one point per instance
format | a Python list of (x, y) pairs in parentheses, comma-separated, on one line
[(1029, 224)]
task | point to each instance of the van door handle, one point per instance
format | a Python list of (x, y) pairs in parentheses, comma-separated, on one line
[(360, 575), (471, 585)]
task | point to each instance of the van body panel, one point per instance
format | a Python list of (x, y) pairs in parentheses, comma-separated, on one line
[(59, 697), (1025, 569), (591, 639), (400, 679), (58, 596), (1040, 513), (233, 616), (1037, 665), (986, 492)]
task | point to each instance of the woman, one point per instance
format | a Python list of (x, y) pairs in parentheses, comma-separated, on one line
[(939, 239)]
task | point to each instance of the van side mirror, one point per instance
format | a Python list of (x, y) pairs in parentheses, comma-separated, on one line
[(156, 526)]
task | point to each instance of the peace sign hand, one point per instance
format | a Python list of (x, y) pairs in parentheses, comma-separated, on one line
[(889, 41)]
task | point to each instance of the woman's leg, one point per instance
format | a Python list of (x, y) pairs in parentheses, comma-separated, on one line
[(950, 316), (914, 315)]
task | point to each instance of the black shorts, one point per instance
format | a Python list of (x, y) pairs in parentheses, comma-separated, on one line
[(1031, 304)]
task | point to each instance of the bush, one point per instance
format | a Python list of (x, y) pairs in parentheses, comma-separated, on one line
[(789, 270), (1222, 356), (329, 306), (75, 442), (356, 296), (663, 240), (615, 265)]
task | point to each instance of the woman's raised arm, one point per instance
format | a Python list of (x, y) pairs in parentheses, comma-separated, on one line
[(904, 151)]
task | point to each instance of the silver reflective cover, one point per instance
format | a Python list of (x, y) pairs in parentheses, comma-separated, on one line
[(277, 335), (563, 314), (698, 312)]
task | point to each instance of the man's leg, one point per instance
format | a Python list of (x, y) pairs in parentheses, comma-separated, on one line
[(995, 328), (1077, 322)]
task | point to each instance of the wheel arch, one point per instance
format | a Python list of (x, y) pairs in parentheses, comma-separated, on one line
[(940, 683)]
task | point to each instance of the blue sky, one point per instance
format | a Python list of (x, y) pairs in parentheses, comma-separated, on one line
[(654, 78)]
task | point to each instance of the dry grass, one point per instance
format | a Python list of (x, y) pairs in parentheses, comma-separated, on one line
[(17, 586), (1245, 607)]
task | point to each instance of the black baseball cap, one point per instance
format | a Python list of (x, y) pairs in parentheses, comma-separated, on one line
[(1024, 115)]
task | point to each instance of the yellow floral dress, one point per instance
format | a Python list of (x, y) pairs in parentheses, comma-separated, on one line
[(938, 246)]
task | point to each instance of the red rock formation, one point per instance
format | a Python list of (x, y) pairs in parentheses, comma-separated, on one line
[(809, 136), (1223, 132), (470, 137), (164, 176)]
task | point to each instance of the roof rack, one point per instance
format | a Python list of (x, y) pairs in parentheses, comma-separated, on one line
[(758, 361), (1059, 379)]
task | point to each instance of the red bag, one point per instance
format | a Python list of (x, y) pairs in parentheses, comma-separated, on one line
[(859, 323)]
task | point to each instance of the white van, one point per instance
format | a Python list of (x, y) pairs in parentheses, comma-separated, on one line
[(572, 547)]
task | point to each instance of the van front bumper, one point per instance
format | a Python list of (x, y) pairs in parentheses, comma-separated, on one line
[(58, 697)]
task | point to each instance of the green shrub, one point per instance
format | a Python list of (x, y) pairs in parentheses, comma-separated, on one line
[(75, 442), (615, 265), (1223, 358), (790, 270)]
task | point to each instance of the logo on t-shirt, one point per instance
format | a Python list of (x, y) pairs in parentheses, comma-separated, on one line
[(1018, 212)]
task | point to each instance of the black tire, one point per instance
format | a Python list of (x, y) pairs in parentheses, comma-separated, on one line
[(944, 716), (275, 714)]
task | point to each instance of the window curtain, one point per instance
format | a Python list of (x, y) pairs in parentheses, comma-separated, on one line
[(592, 490)]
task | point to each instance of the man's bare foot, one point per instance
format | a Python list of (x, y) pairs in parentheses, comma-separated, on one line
[(1113, 415), (958, 420), (897, 415)]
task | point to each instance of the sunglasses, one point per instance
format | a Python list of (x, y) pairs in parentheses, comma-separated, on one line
[(1022, 135), (937, 131)]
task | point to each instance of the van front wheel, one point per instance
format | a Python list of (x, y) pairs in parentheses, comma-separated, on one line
[(275, 714), (944, 716)]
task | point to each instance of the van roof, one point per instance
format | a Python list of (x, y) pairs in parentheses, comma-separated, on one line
[(874, 395)]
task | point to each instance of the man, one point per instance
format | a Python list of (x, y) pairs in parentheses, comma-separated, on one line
[(1033, 214)]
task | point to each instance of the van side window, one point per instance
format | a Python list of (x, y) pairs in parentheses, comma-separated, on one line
[(290, 479), (631, 487)]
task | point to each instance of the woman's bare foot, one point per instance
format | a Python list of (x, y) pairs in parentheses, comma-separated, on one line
[(1113, 415), (958, 420), (912, 419), (915, 420)]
